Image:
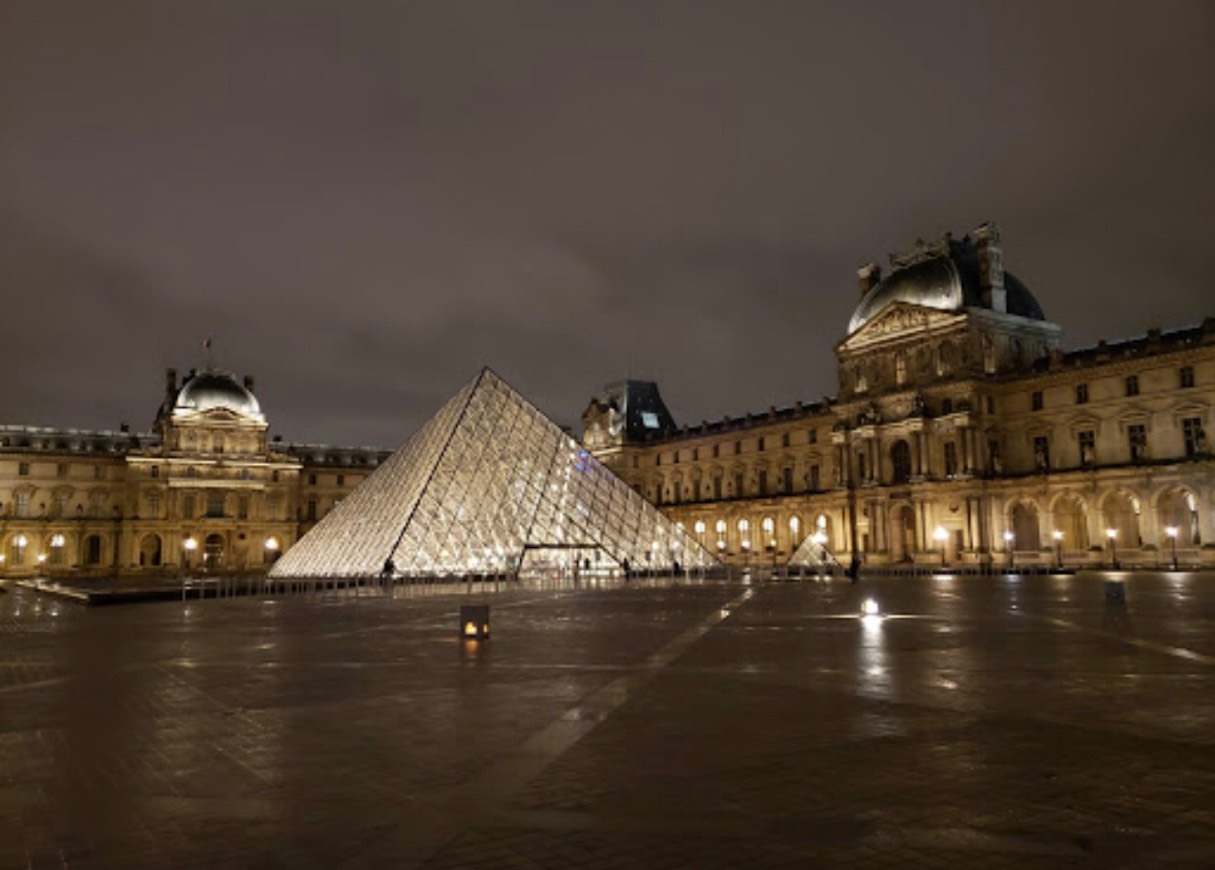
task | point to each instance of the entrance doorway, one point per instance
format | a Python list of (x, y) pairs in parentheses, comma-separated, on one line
[(213, 553)]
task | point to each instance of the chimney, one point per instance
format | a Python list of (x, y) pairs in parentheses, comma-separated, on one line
[(249, 383), (991, 267), (869, 276), (170, 384)]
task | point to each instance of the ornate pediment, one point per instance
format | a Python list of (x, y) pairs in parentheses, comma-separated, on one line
[(897, 319)]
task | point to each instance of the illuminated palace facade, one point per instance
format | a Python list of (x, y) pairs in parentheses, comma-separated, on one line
[(961, 433), (206, 488)]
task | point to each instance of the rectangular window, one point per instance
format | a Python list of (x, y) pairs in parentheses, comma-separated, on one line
[(695, 454), (813, 436), (951, 459), (1088, 448), (784, 440), (763, 483), (1132, 385), (154, 506), (717, 488), (242, 508), (311, 515), (788, 472), (991, 405), (1081, 394), (312, 480), (1186, 376), (99, 472), (341, 480), (215, 503), (761, 443), (187, 507), (657, 459), (737, 447), (716, 451), (1041, 453), (738, 485), (1035, 400), (21, 504), (675, 457), (59, 504), (61, 470), (1136, 436), (814, 478), (23, 469), (1195, 438), (860, 466)]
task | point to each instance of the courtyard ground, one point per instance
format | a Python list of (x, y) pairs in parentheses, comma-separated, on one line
[(976, 721)]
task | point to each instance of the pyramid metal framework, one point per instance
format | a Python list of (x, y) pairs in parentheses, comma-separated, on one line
[(490, 485)]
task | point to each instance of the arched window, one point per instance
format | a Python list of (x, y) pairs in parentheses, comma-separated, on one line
[(900, 462)]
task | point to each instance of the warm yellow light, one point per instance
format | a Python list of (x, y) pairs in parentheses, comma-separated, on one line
[(1111, 533), (1057, 535), (700, 527), (1171, 531), (21, 540), (870, 607), (1008, 536), (470, 629), (57, 540), (272, 543), (940, 534), (42, 557), (189, 543)]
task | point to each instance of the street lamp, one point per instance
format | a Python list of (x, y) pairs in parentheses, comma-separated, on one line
[(189, 545), (941, 536), (1058, 536), (1171, 531), (1112, 534), (746, 545)]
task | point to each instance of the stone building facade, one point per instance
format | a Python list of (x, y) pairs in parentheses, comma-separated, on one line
[(205, 489), (961, 433)]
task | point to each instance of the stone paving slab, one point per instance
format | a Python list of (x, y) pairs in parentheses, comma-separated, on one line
[(980, 721)]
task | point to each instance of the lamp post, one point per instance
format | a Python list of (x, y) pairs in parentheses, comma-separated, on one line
[(746, 545), (1112, 534), (1171, 531), (1058, 536), (189, 545), (941, 536), (1009, 537)]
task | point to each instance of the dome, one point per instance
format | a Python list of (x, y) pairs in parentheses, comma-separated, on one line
[(947, 281), (211, 390)]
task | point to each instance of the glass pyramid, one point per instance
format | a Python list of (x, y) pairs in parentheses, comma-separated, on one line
[(812, 552), (490, 485)]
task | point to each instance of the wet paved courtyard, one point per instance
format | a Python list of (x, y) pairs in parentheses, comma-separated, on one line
[(979, 721)]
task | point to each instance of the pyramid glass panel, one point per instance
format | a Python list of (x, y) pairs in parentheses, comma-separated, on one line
[(490, 485)]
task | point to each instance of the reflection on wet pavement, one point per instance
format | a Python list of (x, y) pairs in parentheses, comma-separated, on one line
[(993, 720)]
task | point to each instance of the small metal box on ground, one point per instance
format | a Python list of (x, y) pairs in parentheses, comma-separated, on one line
[(474, 621)]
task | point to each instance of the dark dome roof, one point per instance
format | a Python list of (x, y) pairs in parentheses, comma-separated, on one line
[(948, 281), (211, 389)]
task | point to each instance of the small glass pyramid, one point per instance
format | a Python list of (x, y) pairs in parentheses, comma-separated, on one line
[(489, 485), (812, 552)]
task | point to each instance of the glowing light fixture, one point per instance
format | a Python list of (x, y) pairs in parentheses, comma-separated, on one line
[(869, 607)]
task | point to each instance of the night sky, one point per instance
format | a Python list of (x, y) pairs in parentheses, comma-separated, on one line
[(363, 203)]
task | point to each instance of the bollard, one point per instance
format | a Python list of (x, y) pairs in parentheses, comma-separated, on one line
[(474, 621)]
